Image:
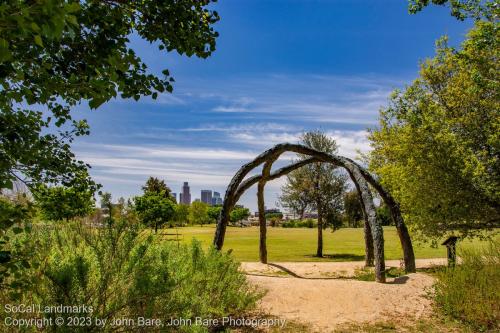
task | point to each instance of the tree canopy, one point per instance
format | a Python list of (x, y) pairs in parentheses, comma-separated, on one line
[(437, 147), (55, 55), (461, 9), (154, 210), (159, 187), (58, 203), (198, 213), (239, 214)]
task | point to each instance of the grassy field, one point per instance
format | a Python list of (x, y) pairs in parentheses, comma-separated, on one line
[(299, 244)]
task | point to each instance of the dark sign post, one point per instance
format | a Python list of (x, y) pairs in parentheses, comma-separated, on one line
[(450, 244)]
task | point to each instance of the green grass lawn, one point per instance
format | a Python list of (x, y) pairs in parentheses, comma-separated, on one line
[(299, 244)]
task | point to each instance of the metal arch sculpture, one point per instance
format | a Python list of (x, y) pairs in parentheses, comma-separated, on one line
[(361, 178)]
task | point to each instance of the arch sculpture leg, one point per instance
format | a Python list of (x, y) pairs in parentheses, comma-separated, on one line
[(368, 244), (266, 170), (367, 231), (262, 224), (370, 215), (404, 235)]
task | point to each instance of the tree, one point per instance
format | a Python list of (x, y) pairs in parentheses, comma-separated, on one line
[(239, 214), (294, 195), (15, 254), (157, 186), (58, 203), (154, 210), (213, 213), (107, 207), (198, 213), (353, 212), (57, 54), (317, 184), (181, 214), (437, 146), (461, 9)]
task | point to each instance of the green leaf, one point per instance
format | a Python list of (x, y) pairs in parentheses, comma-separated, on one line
[(38, 40), (72, 19)]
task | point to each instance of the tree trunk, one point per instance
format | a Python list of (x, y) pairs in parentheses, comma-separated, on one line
[(156, 227), (368, 245), (319, 251), (262, 223)]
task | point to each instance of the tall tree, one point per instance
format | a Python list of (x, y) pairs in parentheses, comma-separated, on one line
[(157, 186), (57, 54), (437, 147), (318, 184)]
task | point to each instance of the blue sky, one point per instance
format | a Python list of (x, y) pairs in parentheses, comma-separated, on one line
[(280, 68)]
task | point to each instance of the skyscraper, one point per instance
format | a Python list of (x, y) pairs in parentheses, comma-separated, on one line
[(216, 199), (206, 196), (185, 196)]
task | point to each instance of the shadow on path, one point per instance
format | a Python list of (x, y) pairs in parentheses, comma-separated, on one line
[(397, 280), (295, 275)]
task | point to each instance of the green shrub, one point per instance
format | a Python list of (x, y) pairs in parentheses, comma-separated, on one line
[(308, 223), (470, 292), (123, 272)]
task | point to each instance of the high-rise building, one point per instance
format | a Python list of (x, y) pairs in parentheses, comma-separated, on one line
[(174, 195), (185, 196), (216, 199), (206, 196)]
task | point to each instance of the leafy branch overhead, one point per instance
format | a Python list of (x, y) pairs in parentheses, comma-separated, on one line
[(56, 54), (461, 9)]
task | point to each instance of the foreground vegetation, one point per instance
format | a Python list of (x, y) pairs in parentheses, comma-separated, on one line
[(121, 272), (299, 244), (477, 280)]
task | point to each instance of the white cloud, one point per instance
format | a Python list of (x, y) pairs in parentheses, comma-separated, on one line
[(190, 153)]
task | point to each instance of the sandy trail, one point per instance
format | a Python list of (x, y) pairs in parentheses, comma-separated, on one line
[(323, 303)]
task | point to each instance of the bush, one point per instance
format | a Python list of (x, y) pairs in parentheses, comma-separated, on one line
[(308, 223), (470, 292), (123, 272)]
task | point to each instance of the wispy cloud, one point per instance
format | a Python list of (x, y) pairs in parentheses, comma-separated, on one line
[(209, 129)]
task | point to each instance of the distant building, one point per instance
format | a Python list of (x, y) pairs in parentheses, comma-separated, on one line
[(185, 196), (216, 199), (206, 196), (174, 195), (269, 211), (197, 200)]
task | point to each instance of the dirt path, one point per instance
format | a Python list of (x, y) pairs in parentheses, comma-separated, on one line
[(307, 296)]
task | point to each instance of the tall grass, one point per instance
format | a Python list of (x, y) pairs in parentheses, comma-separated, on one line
[(470, 292), (123, 273)]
